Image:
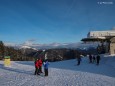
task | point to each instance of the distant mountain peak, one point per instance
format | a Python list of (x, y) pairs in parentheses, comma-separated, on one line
[(52, 45), (25, 47)]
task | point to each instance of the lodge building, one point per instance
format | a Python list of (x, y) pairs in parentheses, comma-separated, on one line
[(106, 38)]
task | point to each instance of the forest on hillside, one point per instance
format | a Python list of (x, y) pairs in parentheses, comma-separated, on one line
[(29, 54), (15, 54)]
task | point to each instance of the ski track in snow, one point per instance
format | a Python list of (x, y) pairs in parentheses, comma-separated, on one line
[(62, 73)]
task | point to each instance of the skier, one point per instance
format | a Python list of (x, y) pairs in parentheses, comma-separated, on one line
[(78, 60), (46, 63), (90, 58), (98, 59), (40, 65), (36, 67), (93, 58)]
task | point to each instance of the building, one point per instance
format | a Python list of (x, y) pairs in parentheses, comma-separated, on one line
[(103, 34), (107, 38), (112, 45)]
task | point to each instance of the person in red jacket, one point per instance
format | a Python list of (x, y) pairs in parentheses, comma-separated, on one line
[(36, 67), (40, 65)]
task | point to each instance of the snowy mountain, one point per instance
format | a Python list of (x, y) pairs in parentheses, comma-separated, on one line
[(25, 47), (53, 45), (63, 73)]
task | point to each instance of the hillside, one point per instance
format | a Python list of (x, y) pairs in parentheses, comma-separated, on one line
[(63, 73)]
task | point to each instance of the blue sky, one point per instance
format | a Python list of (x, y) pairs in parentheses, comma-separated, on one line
[(49, 21)]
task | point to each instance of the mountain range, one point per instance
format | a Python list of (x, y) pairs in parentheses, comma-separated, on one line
[(52, 45)]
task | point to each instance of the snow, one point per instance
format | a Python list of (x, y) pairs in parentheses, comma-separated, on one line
[(63, 73), (25, 47)]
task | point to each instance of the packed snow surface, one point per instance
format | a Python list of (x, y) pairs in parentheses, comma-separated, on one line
[(63, 73)]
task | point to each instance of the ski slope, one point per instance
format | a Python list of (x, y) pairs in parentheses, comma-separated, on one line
[(63, 73)]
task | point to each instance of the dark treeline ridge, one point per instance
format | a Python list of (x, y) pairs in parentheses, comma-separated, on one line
[(52, 55), (15, 54)]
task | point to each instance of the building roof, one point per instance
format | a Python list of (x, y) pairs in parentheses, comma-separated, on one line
[(101, 33), (93, 39), (100, 36)]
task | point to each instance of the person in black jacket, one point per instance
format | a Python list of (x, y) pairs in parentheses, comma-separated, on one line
[(94, 59), (78, 60), (98, 59), (90, 58)]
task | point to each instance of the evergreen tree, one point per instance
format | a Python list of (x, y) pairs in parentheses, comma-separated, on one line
[(1, 50)]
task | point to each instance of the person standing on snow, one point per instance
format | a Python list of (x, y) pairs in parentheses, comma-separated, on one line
[(93, 58), (46, 63), (90, 58), (40, 65), (98, 59), (36, 67), (79, 60)]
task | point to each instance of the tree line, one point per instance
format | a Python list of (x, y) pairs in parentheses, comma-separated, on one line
[(30, 54), (15, 54)]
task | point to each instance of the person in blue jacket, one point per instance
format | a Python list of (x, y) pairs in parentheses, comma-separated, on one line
[(46, 63)]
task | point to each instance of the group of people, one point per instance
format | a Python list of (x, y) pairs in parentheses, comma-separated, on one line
[(38, 66), (39, 63), (92, 59)]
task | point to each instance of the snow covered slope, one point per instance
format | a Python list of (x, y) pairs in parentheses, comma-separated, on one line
[(64, 73)]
